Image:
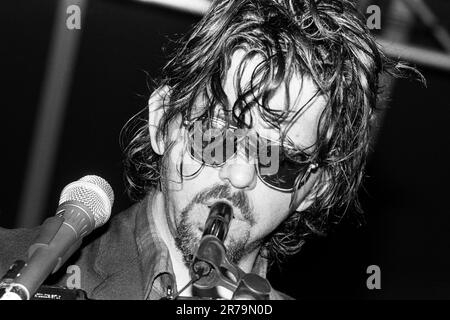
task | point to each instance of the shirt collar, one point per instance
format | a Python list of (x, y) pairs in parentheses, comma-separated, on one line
[(155, 262)]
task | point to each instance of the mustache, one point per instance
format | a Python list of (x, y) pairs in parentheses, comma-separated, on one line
[(238, 199)]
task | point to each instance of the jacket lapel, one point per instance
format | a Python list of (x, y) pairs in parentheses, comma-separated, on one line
[(117, 260)]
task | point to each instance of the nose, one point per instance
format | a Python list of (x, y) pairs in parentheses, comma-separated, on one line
[(239, 172)]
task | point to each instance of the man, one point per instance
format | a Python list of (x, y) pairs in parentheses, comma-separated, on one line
[(266, 106)]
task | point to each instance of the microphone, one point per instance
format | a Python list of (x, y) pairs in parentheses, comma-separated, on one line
[(211, 252), (218, 222), (83, 206)]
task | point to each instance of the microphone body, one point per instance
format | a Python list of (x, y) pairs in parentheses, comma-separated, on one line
[(59, 238), (84, 205), (211, 252), (218, 221)]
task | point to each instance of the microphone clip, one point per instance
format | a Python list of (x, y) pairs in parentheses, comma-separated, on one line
[(211, 267)]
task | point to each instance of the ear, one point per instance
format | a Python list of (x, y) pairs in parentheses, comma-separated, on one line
[(155, 114), (300, 202)]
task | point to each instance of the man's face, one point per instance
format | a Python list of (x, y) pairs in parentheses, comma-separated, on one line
[(258, 208)]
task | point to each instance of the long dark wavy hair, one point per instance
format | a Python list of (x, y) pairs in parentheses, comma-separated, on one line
[(326, 41)]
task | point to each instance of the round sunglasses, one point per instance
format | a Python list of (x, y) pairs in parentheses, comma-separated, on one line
[(214, 142)]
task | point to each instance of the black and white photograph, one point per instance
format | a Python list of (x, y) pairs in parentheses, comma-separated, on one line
[(204, 150)]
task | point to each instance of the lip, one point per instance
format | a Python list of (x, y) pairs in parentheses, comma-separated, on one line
[(201, 227), (236, 211), (210, 202)]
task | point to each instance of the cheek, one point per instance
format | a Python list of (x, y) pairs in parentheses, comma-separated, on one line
[(273, 214), (273, 207), (175, 193), (179, 162), (180, 191), (270, 208)]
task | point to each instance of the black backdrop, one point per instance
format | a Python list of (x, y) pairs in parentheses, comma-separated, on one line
[(405, 194)]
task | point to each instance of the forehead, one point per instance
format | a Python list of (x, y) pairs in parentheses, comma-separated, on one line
[(294, 96)]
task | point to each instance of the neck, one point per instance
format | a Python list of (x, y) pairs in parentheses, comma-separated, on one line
[(181, 271)]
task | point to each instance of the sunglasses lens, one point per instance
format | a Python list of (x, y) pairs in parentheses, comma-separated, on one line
[(211, 146), (278, 170)]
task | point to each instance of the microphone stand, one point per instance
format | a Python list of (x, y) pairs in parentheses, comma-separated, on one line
[(8, 289), (210, 263)]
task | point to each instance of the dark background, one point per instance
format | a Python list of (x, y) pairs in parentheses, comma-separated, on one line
[(405, 197)]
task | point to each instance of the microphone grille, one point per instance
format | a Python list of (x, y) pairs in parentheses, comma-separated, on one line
[(95, 193)]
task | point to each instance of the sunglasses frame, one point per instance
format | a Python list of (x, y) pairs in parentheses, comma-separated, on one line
[(300, 180)]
